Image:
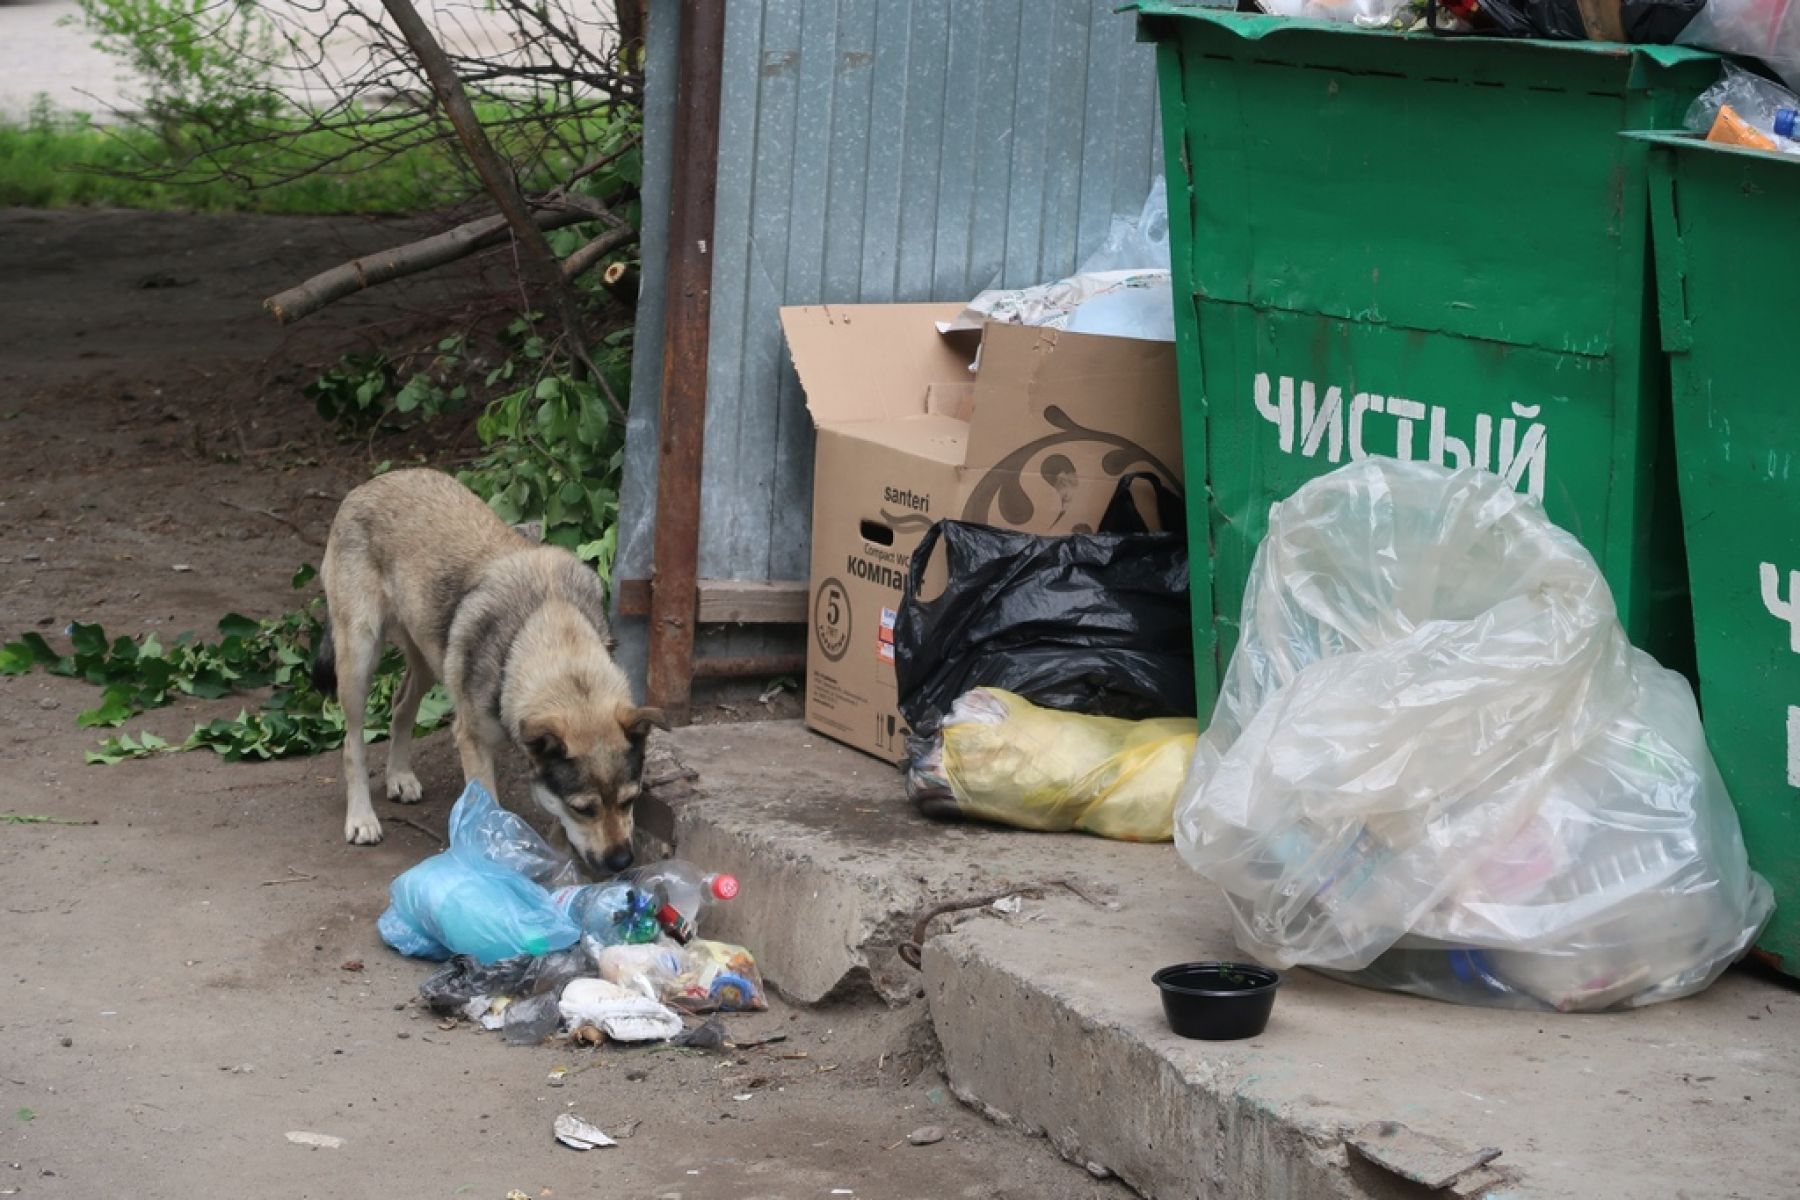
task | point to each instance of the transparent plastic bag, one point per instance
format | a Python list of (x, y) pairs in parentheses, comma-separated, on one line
[(1765, 29), (1434, 739), (1136, 244), (478, 825), (700, 977), (1759, 101), (1000, 758)]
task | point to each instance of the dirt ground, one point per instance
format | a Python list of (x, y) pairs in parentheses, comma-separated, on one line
[(176, 983)]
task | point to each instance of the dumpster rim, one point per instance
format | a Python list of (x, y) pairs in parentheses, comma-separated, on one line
[(1688, 141)]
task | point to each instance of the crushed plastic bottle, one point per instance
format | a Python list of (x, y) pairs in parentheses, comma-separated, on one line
[(683, 890), (610, 914)]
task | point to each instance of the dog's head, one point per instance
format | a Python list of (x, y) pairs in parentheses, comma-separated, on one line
[(587, 767)]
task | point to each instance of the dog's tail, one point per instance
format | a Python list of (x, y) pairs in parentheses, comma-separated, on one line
[(324, 666)]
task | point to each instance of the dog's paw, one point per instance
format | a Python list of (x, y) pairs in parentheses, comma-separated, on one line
[(362, 830), (404, 788)]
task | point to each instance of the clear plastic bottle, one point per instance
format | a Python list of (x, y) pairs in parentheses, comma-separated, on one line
[(684, 892)]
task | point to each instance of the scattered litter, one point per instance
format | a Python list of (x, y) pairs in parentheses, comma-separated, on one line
[(1009, 905), (557, 1077), (936, 1095), (626, 1130), (1097, 1171), (531, 1020), (767, 1039), (743, 1096), (710, 1036), (516, 1194), (318, 1141), (926, 1135), (352, 964), (578, 1134), (181, 568)]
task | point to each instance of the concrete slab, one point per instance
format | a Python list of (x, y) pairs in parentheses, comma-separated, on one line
[(1047, 1018)]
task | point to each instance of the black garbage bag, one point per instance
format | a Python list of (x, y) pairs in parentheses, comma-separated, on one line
[(1094, 623), (1643, 22)]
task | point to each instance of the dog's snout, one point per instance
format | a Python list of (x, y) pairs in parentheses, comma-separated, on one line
[(618, 859)]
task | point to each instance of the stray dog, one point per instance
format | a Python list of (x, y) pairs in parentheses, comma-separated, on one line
[(518, 633)]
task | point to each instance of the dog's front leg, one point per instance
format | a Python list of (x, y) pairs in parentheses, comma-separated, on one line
[(475, 745), (357, 657)]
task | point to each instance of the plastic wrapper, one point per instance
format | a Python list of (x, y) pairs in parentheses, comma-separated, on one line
[(464, 902), (1058, 304), (1765, 29), (700, 977), (1000, 758), (1097, 623), (1437, 760), (448, 990), (1758, 101)]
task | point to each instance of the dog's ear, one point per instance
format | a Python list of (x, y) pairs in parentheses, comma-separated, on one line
[(543, 741), (638, 722)]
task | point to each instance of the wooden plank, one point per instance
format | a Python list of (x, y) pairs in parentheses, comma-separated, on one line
[(728, 601)]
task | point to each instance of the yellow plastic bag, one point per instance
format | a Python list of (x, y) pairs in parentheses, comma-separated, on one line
[(998, 757)]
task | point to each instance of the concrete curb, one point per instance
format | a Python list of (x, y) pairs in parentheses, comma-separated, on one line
[(1047, 1019)]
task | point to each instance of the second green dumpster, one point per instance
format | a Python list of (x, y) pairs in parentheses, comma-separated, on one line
[(1423, 247), (1729, 294)]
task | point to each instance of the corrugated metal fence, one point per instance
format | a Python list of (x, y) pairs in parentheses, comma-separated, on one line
[(869, 151)]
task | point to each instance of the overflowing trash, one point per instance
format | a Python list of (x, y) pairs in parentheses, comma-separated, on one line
[(618, 960), (1743, 109), (1000, 758), (1437, 765)]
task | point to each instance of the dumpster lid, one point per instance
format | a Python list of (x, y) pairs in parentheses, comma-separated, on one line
[(1255, 26)]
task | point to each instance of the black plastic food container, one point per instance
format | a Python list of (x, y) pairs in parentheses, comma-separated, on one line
[(1217, 1001)]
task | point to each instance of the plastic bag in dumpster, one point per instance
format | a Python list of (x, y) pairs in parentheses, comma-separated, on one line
[(1435, 752), (1765, 29), (1093, 622), (1770, 110), (462, 902), (998, 757)]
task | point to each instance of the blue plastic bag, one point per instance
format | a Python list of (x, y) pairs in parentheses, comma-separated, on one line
[(471, 899)]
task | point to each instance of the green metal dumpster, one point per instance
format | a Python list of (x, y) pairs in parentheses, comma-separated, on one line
[(1729, 286), (1434, 248)]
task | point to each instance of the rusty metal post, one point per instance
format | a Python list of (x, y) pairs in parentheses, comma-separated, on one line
[(677, 544)]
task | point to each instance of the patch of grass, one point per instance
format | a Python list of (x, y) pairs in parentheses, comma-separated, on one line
[(62, 160)]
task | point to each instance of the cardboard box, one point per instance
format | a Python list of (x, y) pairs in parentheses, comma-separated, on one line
[(907, 436)]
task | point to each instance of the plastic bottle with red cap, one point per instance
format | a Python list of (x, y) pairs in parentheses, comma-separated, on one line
[(684, 891)]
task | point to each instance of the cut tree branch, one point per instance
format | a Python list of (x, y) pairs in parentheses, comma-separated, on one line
[(384, 266), (537, 263), (590, 254)]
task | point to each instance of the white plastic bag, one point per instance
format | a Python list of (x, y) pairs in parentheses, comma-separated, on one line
[(1435, 740)]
